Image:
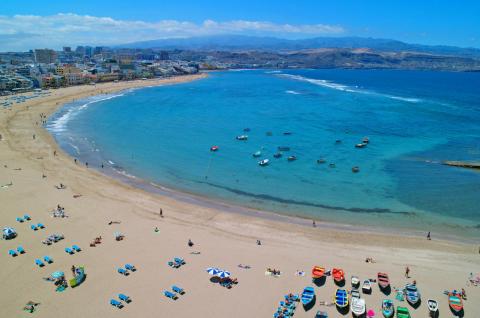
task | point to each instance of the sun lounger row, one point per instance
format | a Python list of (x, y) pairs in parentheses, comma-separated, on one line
[(73, 249), (126, 271), (26, 217), (126, 299), (176, 291), (37, 226), (228, 282), (47, 260), (19, 250), (176, 263)]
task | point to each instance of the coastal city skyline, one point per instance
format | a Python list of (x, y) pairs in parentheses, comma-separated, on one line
[(65, 24)]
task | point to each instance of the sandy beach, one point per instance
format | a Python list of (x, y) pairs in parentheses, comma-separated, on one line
[(221, 239)]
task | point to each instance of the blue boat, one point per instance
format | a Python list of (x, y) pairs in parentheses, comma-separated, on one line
[(308, 295), (341, 298), (412, 294), (388, 308)]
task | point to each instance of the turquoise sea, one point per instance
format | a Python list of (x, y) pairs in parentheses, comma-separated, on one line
[(414, 120)]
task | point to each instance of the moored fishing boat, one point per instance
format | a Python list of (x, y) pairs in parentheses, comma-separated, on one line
[(341, 298), (388, 309), (292, 158), (321, 160), (338, 275), (357, 306), (360, 145), (257, 154), (278, 155), (367, 286), (283, 148), (411, 294), (365, 140), (355, 169), (455, 301), (432, 307), (308, 296), (318, 272), (264, 162), (383, 280), (213, 148)]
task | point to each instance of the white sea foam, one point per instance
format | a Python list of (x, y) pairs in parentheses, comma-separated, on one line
[(293, 92), (347, 88)]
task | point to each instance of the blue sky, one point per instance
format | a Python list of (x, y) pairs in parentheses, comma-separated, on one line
[(28, 24)]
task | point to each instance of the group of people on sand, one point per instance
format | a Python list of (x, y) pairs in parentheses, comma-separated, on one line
[(273, 271)]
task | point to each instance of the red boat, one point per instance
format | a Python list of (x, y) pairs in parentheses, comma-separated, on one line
[(318, 272), (383, 280), (338, 275), (455, 301), (213, 148)]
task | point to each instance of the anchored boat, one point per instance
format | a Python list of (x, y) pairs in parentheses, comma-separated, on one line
[(264, 162), (242, 137), (213, 148), (257, 154)]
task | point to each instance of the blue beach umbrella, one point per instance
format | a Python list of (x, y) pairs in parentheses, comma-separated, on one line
[(213, 271), (223, 274)]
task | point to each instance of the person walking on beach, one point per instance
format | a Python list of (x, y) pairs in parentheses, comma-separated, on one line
[(314, 224), (407, 272), (75, 160), (86, 164), (161, 213), (190, 243), (428, 236)]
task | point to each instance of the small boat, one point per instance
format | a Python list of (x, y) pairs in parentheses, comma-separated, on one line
[(292, 158), (318, 272), (455, 301), (246, 129), (257, 154), (355, 281), (242, 137), (264, 162), (287, 133), (332, 165), (283, 148), (308, 296), (213, 148), (388, 309), (354, 294), (355, 169), (341, 298), (338, 141), (365, 140), (360, 145), (321, 314), (412, 294), (278, 155), (432, 307), (321, 160), (367, 286), (358, 306), (402, 312), (383, 280), (338, 275)]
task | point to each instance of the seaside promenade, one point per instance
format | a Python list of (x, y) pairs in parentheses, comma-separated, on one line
[(32, 167)]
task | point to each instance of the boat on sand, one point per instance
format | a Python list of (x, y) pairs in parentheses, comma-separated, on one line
[(455, 301), (367, 286), (318, 272), (402, 312), (383, 280), (355, 281), (338, 275), (432, 307), (388, 309), (411, 294), (308, 296), (358, 307), (341, 298)]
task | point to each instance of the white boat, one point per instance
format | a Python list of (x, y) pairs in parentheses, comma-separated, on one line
[(367, 286), (355, 294), (361, 145), (355, 281), (257, 154), (358, 306), (264, 162), (432, 307), (242, 137)]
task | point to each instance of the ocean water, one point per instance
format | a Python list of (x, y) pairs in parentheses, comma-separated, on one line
[(414, 120)]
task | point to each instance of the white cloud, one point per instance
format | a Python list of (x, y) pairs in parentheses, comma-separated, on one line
[(22, 32)]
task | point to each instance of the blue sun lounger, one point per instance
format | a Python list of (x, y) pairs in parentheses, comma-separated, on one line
[(40, 226), (116, 303), (122, 271), (20, 249), (124, 298), (39, 263), (19, 220), (178, 290), (170, 295), (12, 252), (26, 217), (76, 248), (130, 267), (69, 250), (48, 259), (33, 227), (180, 261), (173, 264)]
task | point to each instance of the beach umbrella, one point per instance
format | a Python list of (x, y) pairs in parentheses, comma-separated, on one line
[(213, 271), (223, 274), (57, 274), (371, 313)]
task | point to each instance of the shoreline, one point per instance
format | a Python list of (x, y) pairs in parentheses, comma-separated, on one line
[(396, 228), (223, 239)]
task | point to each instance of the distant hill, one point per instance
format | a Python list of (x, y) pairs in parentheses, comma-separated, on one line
[(242, 42)]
